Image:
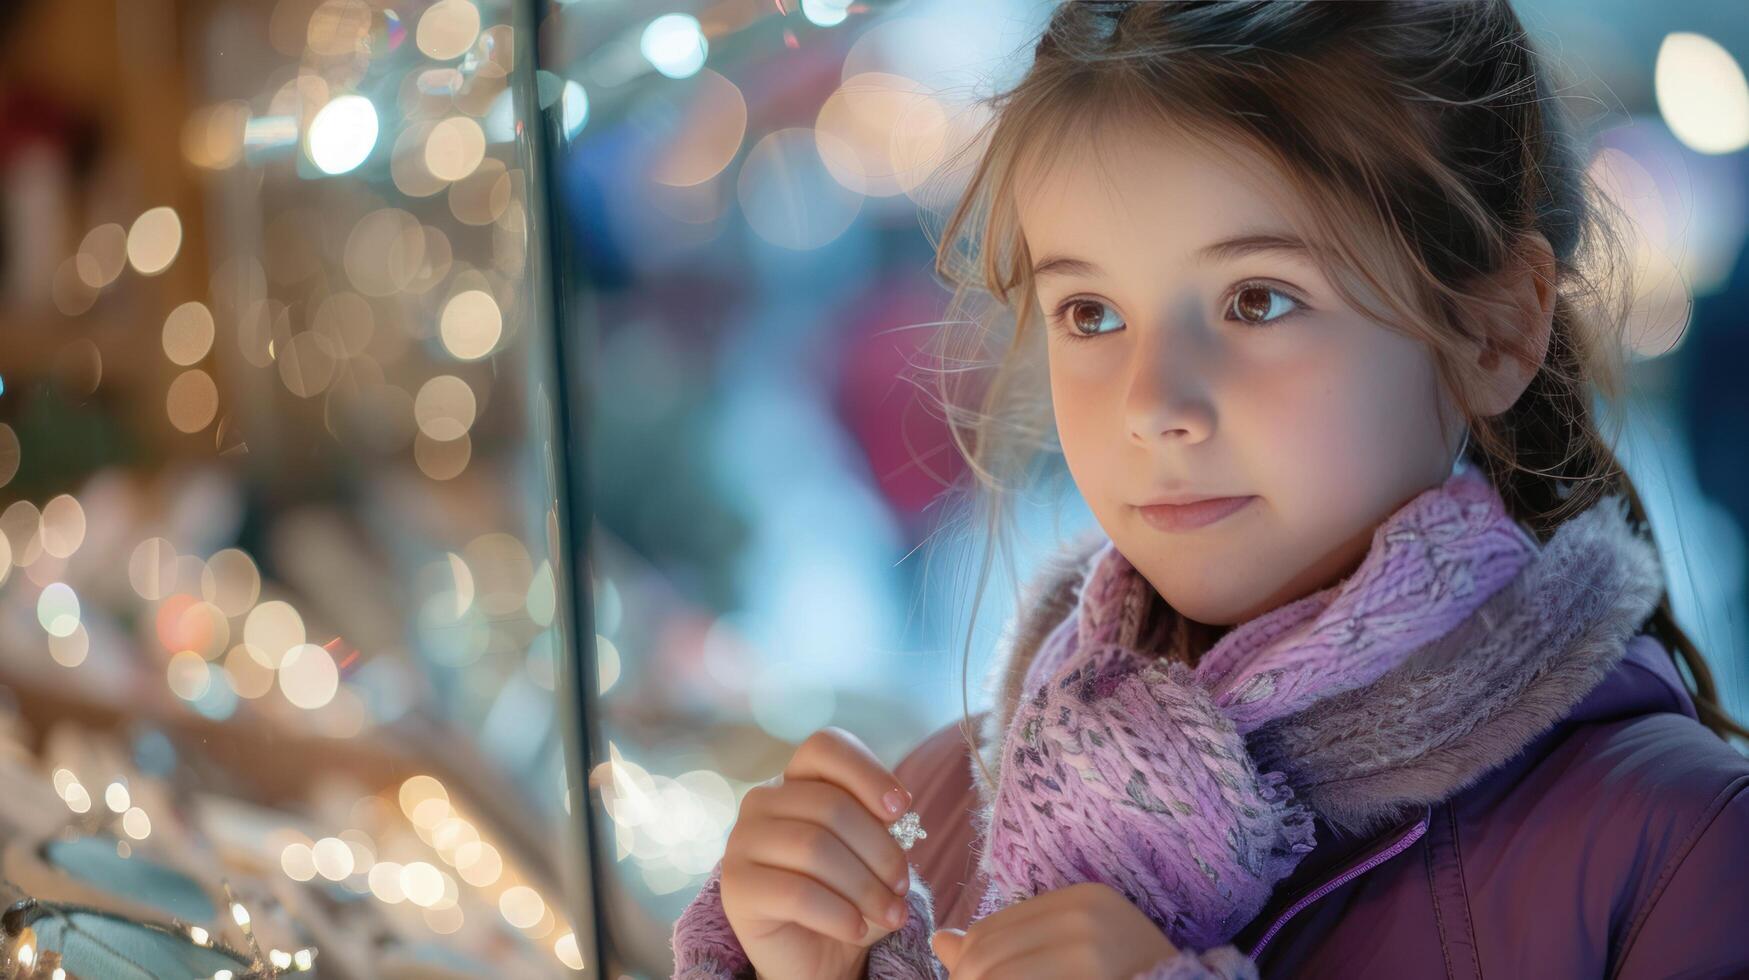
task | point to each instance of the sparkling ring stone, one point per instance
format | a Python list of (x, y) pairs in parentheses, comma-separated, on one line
[(908, 829)]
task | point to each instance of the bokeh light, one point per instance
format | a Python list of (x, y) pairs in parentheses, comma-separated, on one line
[(1702, 93), (447, 29), (154, 240), (192, 401), (272, 630), (788, 195), (675, 45), (471, 325), (308, 677), (343, 134), (188, 333), (444, 408), (57, 609)]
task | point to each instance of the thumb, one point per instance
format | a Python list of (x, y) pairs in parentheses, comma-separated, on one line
[(946, 943)]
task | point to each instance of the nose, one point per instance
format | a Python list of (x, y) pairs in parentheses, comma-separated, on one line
[(1169, 396)]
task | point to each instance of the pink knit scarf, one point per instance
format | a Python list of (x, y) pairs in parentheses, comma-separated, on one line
[(1123, 766)]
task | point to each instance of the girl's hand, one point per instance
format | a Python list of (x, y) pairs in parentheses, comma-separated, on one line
[(810, 871), (1085, 930)]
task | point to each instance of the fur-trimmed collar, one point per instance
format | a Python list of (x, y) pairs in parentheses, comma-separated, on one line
[(1428, 728)]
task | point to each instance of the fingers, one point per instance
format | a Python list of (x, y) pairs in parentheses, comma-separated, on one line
[(830, 806), (1042, 909), (982, 953), (788, 896), (946, 943), (805, 848), (836, 756)]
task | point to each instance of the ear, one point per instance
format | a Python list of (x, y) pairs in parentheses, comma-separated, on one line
[(1530, 288)]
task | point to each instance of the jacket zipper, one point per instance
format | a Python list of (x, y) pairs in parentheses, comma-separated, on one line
[(1402, 843)]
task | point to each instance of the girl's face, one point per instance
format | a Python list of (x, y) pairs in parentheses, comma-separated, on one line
[(1194, 352)]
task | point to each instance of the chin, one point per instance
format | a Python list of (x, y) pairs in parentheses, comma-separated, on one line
[(1214, 609), (1237, 594)]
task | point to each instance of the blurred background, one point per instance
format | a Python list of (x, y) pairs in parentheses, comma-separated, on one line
[(450, 450)]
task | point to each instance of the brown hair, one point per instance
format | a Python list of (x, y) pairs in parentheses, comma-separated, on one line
[(1426, 146)]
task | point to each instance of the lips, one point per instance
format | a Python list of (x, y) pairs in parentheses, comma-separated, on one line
[(1188, 517)]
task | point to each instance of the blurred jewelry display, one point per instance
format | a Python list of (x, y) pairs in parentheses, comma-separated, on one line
[(281, 621), (53, 941)]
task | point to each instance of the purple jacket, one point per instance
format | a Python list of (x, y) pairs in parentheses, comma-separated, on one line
[(1594, 829), (1615, 845)]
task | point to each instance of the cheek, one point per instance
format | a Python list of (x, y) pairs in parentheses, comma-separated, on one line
[(1079, 404), (1353, 428)]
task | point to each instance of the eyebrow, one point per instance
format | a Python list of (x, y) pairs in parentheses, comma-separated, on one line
[(1223, 250)]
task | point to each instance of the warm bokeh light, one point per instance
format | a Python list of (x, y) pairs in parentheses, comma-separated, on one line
[(521, 906), (307, 364), (154, 240), (298, 861), (478, 863), (308, 677), (447, 29), (339, 27), (136, 824), (471, 327), (481, 197), (346, 320), (57, 609), (705, 140), (189, 675), (1702, 93), (213, 136), (442, 459), (231, 581), (72, 649), (565, 948), (102, 255), (247, 675), (422, 883), (188, 333), (78, 797), (384, 252), (455, 148), (63, 526), (880, 134), (385, 882), (1659, 315), (192, 401), (444, 408), (332, 858), (271, 630)]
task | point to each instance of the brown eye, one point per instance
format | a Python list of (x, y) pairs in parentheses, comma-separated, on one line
[(1260, 305), (1083, 319)]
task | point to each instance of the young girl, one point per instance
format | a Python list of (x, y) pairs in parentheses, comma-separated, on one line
[(1368, 668)]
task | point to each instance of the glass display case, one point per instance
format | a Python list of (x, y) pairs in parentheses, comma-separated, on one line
[(285, 630)]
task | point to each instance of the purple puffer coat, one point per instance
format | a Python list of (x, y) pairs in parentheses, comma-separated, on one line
[(1595, 829), (1613, 843), (1616, 845)]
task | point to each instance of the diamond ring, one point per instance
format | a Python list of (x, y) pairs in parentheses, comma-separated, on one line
[(908, 829)]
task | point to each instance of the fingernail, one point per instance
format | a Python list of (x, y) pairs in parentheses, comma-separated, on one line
[(902, 884), (895, 914), (894, 801)]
